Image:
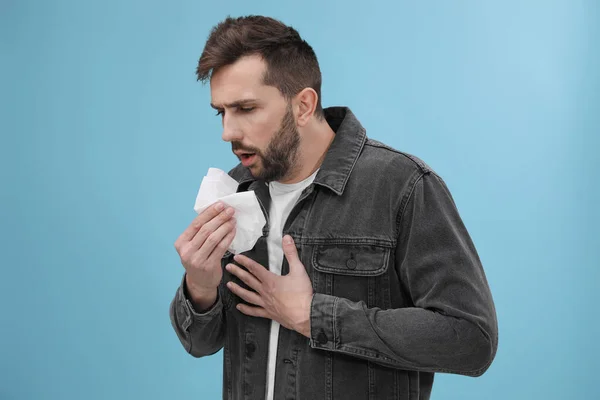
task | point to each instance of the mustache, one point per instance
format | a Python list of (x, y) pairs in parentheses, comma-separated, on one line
[(238, 146)]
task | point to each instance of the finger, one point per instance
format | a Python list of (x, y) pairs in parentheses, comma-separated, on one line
[(255, 268), (211, 226), (200, 220), (249, 296), (245, 276), (213, 240), (291, 254), (253, 311), (221, 248)]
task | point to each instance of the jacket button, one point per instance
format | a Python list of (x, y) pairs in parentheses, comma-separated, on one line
[(351, 263), (250, 349), (322, 338)]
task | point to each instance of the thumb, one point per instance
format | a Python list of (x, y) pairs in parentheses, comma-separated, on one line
[(291, 253)]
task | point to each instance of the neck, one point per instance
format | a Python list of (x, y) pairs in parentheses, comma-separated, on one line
[(316, 139)]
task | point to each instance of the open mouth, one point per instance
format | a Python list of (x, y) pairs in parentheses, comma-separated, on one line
[(247, 158)]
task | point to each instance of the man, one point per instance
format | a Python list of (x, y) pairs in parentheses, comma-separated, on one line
[(365, 281)]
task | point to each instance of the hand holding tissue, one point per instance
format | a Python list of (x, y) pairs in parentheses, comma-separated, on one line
[(217, 185)]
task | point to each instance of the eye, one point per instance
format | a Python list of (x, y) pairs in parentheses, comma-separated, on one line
[(220, 112), (246, 109)]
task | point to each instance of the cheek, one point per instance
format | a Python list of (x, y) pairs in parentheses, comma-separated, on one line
[(260, 128)]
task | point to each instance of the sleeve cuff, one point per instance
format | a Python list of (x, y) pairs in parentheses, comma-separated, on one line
[(190, 314), (323, 334)]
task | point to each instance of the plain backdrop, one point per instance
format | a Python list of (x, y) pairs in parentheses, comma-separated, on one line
[(106, 135)]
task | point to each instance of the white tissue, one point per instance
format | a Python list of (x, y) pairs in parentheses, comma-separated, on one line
[(218, 185)]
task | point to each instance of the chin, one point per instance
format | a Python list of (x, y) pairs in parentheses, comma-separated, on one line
[(255, 170)]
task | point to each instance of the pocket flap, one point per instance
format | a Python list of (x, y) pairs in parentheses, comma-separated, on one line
[(353, 259)]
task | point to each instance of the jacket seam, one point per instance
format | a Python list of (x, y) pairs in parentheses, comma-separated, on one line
[(405, 204), (424, 168), (376, 356), (336, 338)]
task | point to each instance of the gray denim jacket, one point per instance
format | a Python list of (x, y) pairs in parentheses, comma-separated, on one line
[(400, 292)]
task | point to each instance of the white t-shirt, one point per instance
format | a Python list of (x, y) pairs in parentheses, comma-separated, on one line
[(283, 199)]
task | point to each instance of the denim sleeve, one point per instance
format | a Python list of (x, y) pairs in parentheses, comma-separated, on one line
[(451, 326), (201, 334)]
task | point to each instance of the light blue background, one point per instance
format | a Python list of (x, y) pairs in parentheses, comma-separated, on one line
[(105, 136)]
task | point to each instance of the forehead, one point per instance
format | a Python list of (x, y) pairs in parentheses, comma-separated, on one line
[(240, 80)]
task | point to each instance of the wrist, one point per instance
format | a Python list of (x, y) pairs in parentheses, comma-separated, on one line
[(303, 326), (201, 298)]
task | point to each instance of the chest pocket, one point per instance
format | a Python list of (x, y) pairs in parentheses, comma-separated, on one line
[(357, 272)]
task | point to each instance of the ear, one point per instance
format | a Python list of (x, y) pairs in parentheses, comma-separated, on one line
[(306, 102)]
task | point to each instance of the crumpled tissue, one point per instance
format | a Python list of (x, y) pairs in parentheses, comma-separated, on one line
[(217, 185)]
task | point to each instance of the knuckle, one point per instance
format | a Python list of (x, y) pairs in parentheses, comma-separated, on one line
[(197, 223), (270, 288), (186, 254), (224, 216), (208, 212), (204, 230), (211, 240), (195, 262)]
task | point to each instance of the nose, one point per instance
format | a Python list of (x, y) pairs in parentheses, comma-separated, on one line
[(231, 132)]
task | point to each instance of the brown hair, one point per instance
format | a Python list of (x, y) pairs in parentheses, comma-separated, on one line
[(291, 63)]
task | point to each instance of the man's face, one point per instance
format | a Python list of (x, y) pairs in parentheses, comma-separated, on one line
[(257, 119)]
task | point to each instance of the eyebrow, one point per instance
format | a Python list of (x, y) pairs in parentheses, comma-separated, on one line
[(237, 103)]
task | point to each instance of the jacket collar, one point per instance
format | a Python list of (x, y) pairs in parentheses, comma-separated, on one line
[(350, 137)]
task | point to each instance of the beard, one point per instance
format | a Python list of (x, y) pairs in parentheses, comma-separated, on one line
[(280, 157)]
